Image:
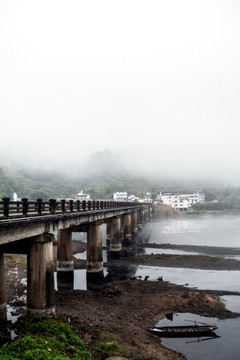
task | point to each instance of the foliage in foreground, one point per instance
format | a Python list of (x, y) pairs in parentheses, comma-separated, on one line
[(45, 340), (104, 350), (48, 339), (14, 260)]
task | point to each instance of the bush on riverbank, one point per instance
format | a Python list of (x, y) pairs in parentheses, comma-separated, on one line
[(48, 339), (228, 205)]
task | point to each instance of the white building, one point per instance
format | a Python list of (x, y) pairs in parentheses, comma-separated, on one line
[(15, 197), (133, 198), (120, 196), (181, 201), (147, 199), (83, 197)]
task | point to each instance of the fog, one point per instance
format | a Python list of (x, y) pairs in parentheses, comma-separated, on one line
[(155, 82)]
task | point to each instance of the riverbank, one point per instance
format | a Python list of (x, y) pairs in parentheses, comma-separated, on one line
[(123, 310)]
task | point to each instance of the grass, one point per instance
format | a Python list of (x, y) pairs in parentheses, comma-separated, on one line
[(50, 339), (14, 260)]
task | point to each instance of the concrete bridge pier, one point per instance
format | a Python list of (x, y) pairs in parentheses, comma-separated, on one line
[(94, 264), (127, 228), (143, 216), (40, 277), (134, 224), (150, 210), (65, 269), (108, 225), (3, 305), (139, 220), (115, 238), (146, 214)]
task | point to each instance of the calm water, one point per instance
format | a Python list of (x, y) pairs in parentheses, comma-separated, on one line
[(224, 346), (204, 231), (223, 232), (201, 235), (218, 232)]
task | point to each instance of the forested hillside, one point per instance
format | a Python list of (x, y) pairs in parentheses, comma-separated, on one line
[(6, 186), (101, 177), (55, 185)]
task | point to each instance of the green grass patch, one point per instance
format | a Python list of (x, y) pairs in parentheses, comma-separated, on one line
[(45, 339), (14, 260), (104, 350), (50, 339)]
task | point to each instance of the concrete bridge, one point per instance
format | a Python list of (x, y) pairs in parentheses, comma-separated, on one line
[(26, 228)]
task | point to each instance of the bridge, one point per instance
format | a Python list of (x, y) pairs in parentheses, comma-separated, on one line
[(26, 227)]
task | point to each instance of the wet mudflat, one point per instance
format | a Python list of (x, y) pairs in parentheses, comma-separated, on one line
[(124, 309)]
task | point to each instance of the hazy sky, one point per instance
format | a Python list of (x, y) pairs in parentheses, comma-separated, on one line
[(158, 81)]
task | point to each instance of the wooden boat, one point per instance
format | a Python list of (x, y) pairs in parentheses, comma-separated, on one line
[(184, 331)]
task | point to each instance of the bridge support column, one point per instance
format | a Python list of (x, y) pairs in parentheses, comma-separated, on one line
[(94, 264), (127, 233), (115, 238), (40, 278), (146, 214), (143, 215), (150, 211), (3, 306), (64, 250), (139, 219), (134, 222), (65, 269), (108, 233)]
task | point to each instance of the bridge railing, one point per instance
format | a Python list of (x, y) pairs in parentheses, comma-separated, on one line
[(25, 208)]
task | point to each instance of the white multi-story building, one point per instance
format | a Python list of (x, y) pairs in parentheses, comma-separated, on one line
[(15, 197), (147, 199), (120, 196), (133, 198), (83, 197), (179, 201)]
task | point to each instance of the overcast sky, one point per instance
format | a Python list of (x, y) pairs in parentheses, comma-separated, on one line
[(156, 81)]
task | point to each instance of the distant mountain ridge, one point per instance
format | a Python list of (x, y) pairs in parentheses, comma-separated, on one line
[(105, 163), (103, 175)]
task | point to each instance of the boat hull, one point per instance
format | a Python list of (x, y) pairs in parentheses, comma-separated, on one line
[(184, 331)]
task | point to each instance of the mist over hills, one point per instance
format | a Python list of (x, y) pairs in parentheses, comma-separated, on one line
[(103, 174)]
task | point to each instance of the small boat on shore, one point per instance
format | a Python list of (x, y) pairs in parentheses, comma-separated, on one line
[(184, 331)]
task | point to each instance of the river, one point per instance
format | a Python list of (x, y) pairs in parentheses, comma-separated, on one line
[(212, 236)]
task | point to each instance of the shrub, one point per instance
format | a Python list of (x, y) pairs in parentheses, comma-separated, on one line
[(45, 339)]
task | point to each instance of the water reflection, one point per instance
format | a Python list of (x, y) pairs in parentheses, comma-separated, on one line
[(226, 346), (211, 236), (65, 280), (83, 255), (79, 280), (155, 251), (82, 280), (95, 281), (201, 279), (184, 321), (204, 231), (232, 302), (181, 227), (121, 272)]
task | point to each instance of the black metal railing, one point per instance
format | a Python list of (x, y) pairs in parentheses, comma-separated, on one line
[(25, 208)]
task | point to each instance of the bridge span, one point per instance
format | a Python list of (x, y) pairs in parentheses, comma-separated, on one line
[(27, 228)]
